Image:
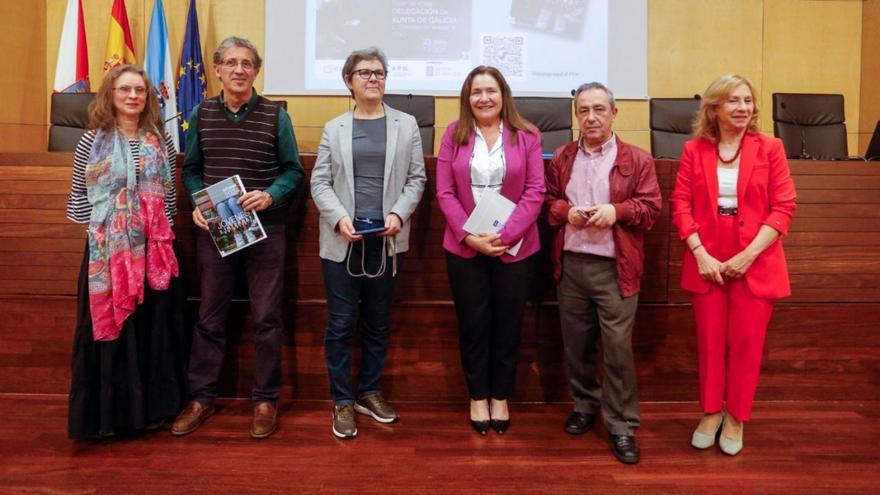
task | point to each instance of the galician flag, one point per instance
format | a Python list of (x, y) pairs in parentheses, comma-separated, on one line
[(157, 63), (72, 69), (120, 47)]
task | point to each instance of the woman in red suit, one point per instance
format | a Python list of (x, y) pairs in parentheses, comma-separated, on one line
[(733, 200)]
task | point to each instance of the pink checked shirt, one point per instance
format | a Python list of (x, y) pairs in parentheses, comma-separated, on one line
[(589, 185)]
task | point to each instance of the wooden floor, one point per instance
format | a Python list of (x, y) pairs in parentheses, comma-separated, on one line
[(791, 448)]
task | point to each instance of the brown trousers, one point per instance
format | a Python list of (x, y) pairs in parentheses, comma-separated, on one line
[(590, 306)]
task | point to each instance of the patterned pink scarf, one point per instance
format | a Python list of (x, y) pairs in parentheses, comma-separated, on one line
[(130, 239)]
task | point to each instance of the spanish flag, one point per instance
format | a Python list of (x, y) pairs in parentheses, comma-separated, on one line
[(120, 47)]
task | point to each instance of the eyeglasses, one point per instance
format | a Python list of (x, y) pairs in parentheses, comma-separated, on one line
[(126, 90), (231, 64), (365, 74)]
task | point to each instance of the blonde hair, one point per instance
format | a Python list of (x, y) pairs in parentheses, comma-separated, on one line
[(102, 113), (706, 121)]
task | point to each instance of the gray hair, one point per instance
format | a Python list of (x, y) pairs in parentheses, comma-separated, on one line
[(239, 42), (596, 85), (369, 53)]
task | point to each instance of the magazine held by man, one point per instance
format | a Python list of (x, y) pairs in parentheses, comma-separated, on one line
[(232, 228)]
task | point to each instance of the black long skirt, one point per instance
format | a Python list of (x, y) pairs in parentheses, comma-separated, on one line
[(137, 381)]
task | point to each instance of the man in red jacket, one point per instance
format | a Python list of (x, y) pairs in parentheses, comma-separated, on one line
[(602, 196)]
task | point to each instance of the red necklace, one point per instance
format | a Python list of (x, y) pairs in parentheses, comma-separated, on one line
[(735, 155)]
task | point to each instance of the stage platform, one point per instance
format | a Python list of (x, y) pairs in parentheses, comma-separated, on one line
[(815, 427), (791, 447)]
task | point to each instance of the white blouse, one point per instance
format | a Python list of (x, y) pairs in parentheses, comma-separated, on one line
[(487, 166), (727, 178)]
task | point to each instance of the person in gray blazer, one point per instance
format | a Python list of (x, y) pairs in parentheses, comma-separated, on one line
[(368, 179)]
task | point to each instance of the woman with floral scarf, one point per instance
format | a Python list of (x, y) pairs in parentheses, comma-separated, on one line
[(129, 359)]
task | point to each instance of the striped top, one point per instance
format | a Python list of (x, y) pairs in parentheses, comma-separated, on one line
[(78, 208)]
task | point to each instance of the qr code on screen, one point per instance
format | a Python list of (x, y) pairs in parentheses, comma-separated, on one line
[(506, 52)]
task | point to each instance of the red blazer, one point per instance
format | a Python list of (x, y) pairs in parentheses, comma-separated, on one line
[(766, 196)]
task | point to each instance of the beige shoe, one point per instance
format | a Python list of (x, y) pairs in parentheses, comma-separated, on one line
[(702, 440), (732, 446)]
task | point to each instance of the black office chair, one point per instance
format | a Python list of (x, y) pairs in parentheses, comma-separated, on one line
[(671, 121), (69, 118), (873, 151), (552, 116), (811, 126), (422, 108)]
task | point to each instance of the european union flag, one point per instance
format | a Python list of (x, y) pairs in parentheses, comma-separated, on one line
[(192, 87)]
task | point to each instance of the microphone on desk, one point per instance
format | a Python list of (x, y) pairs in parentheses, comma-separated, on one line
[(173, 117), (803, 154)]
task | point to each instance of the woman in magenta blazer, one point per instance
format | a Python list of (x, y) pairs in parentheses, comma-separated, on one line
[(733, 200), (490, 147)]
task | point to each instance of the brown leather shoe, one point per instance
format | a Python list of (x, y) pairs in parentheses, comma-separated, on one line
[(265, 420), (191, 418)]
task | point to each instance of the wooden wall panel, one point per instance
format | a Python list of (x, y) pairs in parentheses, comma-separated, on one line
[(23, 82), (24, 137), (837, 219), (813, 47), (23, 85), (816, 352), (691, 42), (869, 93), (821, 344)]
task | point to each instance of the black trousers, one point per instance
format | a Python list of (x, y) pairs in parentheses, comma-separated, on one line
[(264, 267), (490, 297)]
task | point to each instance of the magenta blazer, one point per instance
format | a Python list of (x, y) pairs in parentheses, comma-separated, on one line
[(523, 184)]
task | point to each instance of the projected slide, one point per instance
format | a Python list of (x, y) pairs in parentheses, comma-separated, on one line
[(541, 46)]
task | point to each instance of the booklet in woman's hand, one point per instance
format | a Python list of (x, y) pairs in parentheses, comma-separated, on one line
[(490, 215)]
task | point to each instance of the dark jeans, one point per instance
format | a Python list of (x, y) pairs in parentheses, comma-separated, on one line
[(490, 297), (344, 293), (264, 268)]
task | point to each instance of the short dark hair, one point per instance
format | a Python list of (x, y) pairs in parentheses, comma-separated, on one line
[(369, 53), (596, 85)]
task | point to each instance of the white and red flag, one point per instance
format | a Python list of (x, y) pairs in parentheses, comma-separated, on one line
[(72, 70)]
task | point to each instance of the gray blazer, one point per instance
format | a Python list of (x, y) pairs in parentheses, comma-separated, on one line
[(333, 179)]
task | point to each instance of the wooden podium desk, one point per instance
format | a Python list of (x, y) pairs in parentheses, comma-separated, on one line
[(832, 252)]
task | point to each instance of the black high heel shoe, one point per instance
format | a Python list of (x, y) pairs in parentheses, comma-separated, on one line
[(481, 427), (500, 425)]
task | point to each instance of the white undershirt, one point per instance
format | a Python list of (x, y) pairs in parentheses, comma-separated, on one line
[(487, 166), (727, 178)]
